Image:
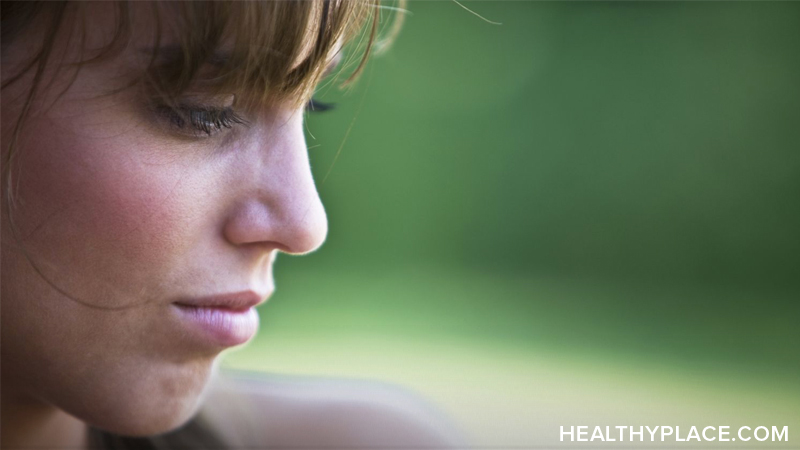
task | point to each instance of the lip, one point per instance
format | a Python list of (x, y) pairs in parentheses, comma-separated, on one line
[(224, 320)]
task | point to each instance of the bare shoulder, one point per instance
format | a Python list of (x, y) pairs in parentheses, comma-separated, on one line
[(269, 411)]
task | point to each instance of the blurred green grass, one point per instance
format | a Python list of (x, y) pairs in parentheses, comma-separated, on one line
[(591, 207), (651, 140), (684, 326), (512, 375)]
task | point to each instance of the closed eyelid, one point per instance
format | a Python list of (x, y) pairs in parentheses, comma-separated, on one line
[(199, 121)]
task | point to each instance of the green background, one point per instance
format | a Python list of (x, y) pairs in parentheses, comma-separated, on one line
[(588, 213)]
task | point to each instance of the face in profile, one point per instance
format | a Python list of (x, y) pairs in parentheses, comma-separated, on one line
[(140, 228)]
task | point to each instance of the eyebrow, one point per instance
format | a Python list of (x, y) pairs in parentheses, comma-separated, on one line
[(172, 53), (169, 54)]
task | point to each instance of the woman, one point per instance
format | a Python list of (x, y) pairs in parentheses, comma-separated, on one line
[(154, 164)]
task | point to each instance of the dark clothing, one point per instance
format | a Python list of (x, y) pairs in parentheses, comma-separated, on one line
[(195, 435)]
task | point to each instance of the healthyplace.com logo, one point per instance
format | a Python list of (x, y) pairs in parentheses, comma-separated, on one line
[(722, 433)]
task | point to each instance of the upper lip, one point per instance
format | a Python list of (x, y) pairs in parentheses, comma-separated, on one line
[(235, 301)]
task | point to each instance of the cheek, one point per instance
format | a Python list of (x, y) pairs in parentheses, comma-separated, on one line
[(107, 220), (110, 223)]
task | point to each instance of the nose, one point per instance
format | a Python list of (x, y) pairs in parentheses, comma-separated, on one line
[(277, 205)]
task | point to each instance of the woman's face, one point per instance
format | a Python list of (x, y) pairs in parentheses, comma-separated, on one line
[(124, 214)]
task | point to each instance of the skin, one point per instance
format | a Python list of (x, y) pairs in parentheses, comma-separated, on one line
[(123, 215)]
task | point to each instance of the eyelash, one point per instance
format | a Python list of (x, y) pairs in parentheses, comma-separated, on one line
[(205, 121)]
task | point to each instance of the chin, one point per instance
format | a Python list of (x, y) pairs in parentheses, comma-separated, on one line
[(156, 404), (147, 423)]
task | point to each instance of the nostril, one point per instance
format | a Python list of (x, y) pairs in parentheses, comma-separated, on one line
[(248, 223)]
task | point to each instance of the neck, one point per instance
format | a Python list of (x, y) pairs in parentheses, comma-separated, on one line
[(28, 423)]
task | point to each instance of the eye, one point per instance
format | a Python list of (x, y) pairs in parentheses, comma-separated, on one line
[(316, 106), (200, 121)]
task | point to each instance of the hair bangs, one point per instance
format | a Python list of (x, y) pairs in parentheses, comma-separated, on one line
[(261, 52)]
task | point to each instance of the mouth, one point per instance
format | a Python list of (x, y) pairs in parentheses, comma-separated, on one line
[(224, 320)]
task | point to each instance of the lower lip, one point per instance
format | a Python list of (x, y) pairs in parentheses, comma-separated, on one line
[(219, 326)]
